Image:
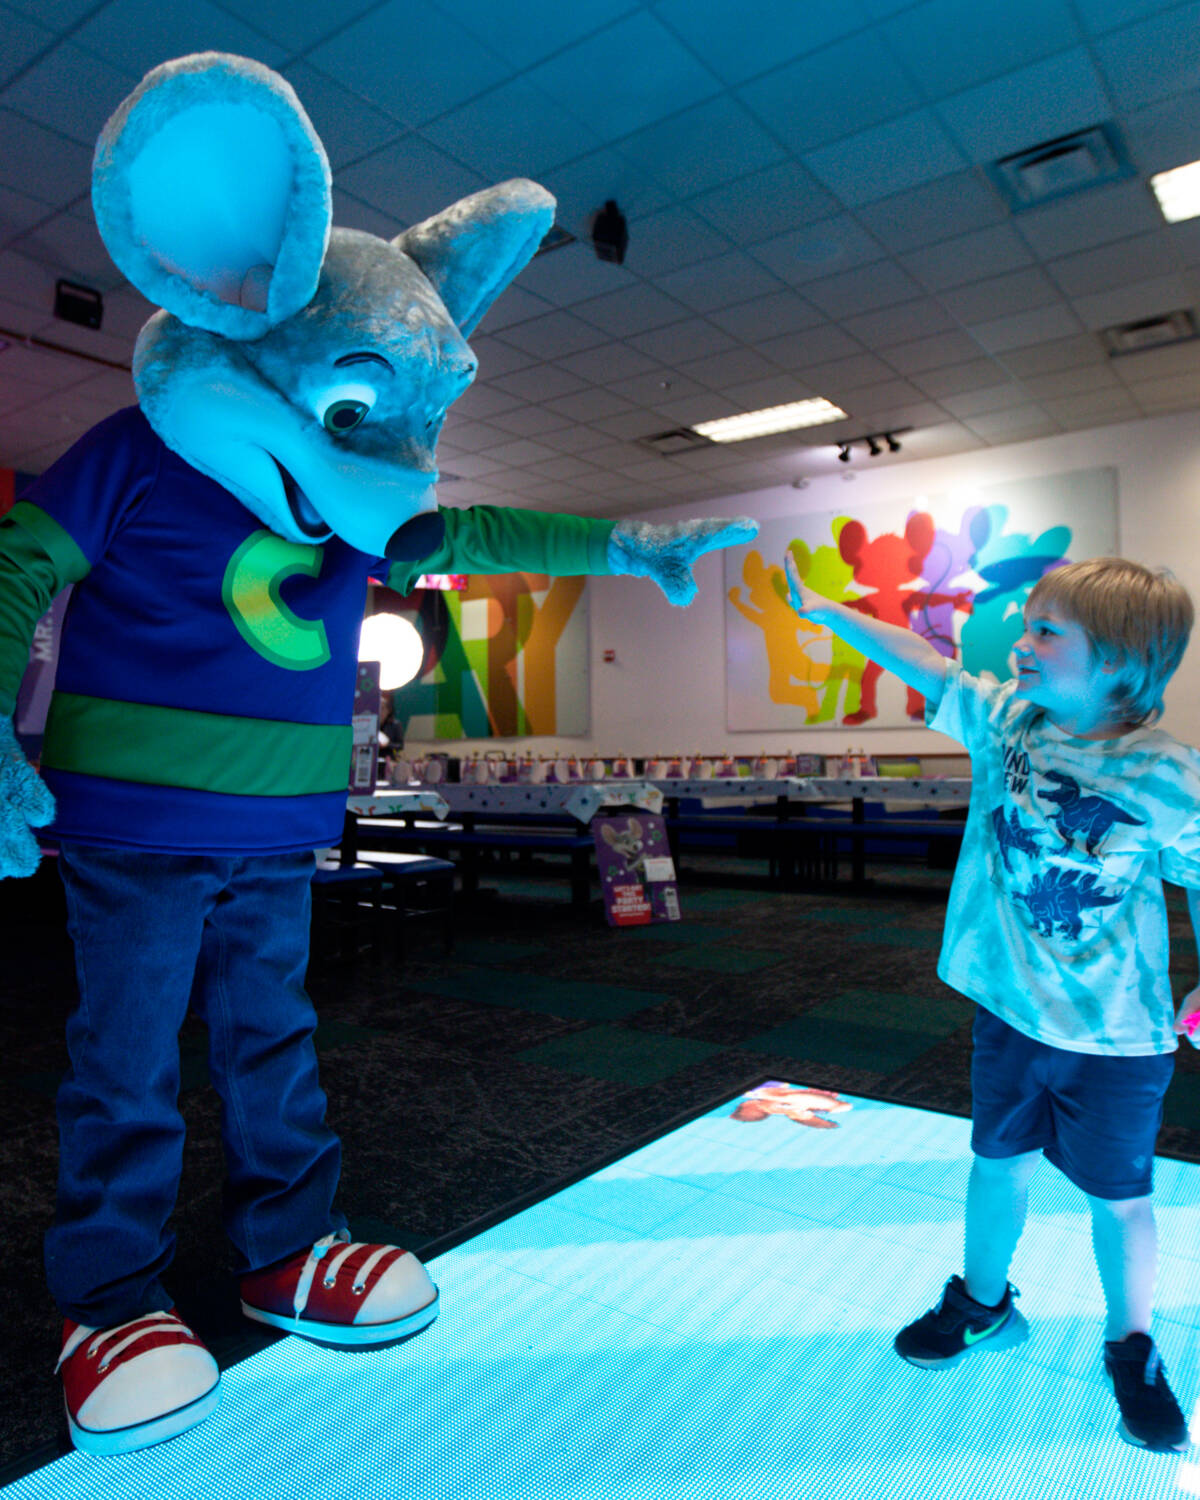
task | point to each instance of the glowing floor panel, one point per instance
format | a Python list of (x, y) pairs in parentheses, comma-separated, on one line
[(712, 1316)]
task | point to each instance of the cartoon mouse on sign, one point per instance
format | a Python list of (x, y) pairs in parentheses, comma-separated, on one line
[(630, 845), (219, 537)]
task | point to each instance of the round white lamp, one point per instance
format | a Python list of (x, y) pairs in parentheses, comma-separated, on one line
[(396, 644)]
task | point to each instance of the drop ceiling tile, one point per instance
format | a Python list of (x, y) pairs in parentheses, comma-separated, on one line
[(810, 346), (1093, 407), (520, 453), (71, 247), (40, 162), (692, 339), (562, 466), (525, 34), (739, 41), (625, 77), (59, 14), (1158, 364), (991, 398), (950, 380), (409, 180), (573, 274), (633, 309), (658, 384), (817, 250), (480, 400), (669, 239), (514, 305), (840, 90), (137, 35), (765, 204), (511, 131), (498, 358), (968, 257), (1058, 354), (555, 334), (732, 367), (583, 187), (1074, 382), (612, 363), (1153, 59), (574, 438), (414, 72), (1099, 16), (1020, 425), (1143, 299), (1012, 293), (776, 390), (860, 290), (875, 402), (539, 382), (1163, 135), (949, 206), (1021, 110), (472, 466), (682, 413), (1173, 393), (1116, 264), (527, 421), (590, 406), (950, 348), (838, 376), (1185, 238), (1018, 330), (20, 213), (950, 48), (886, 159), (1090, 218), (297, 24), (721, 282), (350, 212), (69, 91), (349, 127), (900, 323), (767, 317), (705, 146)]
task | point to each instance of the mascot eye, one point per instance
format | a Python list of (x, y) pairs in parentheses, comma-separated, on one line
[(344, 416)]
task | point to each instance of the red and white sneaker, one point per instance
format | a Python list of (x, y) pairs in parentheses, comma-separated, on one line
[(343, 1292), (136, 1384)]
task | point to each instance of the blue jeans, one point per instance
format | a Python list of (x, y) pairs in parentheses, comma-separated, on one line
[(153, 935)]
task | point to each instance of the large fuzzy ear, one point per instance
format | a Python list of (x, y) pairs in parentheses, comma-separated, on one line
[(211, 192), (474, 248)]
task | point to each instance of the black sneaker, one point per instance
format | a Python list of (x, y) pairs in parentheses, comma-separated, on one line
[(1150, 1415), (958, 1325)]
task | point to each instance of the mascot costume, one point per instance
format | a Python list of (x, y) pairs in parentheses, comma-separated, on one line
[(219, 537)]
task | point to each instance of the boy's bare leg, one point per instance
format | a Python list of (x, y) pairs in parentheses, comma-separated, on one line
[(996, 1198), (1125, 1240)]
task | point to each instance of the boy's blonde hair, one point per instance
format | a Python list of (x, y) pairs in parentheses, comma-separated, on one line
[(1141, 617)]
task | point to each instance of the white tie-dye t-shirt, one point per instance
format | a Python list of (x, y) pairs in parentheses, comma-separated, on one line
[(1056, 921)]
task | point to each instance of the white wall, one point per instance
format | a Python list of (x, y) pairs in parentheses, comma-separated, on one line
[(665, 692)]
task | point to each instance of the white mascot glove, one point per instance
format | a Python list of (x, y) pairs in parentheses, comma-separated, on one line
[(25, 803), (666, 553)]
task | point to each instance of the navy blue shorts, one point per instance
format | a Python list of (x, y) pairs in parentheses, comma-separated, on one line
[(1095, 1117)]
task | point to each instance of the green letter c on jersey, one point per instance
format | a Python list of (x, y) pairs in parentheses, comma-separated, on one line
[(253, 579)]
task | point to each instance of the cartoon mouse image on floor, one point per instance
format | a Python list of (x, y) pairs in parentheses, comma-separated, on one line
[(630, 845), (219, 537)]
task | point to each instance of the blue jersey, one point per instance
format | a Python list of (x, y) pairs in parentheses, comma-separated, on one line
[(207, 666)]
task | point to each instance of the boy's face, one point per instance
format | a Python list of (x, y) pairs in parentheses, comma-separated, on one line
[(1057, 670)]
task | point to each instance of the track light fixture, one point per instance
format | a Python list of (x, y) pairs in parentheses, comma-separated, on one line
[(872, 441)]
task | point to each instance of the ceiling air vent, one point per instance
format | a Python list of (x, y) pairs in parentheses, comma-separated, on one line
[(1149, 333), (1066, 165), (677, 440)]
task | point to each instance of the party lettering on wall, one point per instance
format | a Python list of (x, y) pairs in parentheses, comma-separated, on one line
[(505, 656), (956, 569)]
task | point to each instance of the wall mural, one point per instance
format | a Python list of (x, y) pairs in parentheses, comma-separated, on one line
[(504, 656), (957, 569)]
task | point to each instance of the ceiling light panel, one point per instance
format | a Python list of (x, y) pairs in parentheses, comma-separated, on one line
[(1178, 192), (754, 424)]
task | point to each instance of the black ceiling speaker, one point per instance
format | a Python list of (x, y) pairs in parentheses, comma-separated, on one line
[(78, 304), (610, 233)]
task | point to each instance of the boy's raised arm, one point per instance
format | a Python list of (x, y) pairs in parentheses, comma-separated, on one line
[(901, 651)]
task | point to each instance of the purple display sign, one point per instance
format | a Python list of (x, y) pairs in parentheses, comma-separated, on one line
[(364, 760), (637, 873)]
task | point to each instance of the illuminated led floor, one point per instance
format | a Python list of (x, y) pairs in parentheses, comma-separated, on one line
[(710, 1317)]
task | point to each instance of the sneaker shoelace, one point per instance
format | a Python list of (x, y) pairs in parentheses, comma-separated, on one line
[(139, 1328), (345, 1248)]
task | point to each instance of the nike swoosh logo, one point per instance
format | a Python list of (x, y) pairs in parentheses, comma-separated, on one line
[(984, 1333)]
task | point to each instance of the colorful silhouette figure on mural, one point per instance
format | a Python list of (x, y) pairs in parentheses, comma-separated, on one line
[(931, 609), (792, 673), (1011, 564), (888, 564), (826, 570)]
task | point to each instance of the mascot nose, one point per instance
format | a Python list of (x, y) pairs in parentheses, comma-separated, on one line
[(419, 537)]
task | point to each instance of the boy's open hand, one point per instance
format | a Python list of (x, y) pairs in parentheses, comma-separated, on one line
[(1187, 1020)]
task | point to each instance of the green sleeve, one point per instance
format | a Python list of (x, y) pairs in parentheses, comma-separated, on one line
[(37, 560), (497, 539)]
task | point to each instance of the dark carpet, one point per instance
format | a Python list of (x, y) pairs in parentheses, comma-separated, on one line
[(546, 1044)]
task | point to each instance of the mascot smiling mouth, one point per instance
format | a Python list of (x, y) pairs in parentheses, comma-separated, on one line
[(417, 537), (300, 507)]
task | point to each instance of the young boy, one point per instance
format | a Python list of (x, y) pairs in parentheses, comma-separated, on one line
[(1057, 928)]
